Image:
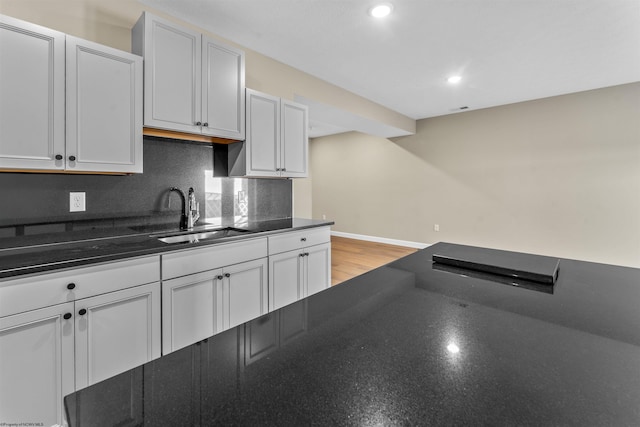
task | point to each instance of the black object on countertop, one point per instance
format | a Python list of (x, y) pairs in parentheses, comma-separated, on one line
[(405, 344), (536, 268)]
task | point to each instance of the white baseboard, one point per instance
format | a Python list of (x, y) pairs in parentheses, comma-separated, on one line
[(405, 243)]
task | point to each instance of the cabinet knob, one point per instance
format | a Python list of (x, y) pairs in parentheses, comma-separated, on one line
[(58, 156), (205, 124), (301, 255), (72, 158), (219, 277), (283, 169), (304, 239), (82, 312), (198, 123), (306, 254), (71, 286), (227, 275), (67, 316)]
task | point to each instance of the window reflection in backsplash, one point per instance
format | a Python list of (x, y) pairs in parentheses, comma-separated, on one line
[(219, 192), (241, 199), (212, 195)]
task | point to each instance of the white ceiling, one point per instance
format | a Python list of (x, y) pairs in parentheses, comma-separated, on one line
[(506, 50)]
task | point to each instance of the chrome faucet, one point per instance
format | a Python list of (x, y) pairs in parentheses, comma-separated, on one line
[(194, 209), (190, 208)]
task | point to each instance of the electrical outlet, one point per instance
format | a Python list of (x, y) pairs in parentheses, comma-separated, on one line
[(436, 227), (77, 202)]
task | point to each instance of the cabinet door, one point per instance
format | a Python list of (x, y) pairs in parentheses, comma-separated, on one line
[(263, 134), (294, 139), (285, 279), (104, 108), (32, 96), (36, 364), (245, 292), (318, 268), (118, 331), (172, 75), (223, 90), (191, 309)]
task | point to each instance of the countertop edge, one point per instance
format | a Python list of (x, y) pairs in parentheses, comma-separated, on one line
[(45, 267)]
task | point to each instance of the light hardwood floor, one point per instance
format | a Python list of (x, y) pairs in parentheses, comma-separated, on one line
[(350, 257)]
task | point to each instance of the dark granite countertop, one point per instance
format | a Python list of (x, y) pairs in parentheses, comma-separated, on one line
[(405, 344), (47, 252)]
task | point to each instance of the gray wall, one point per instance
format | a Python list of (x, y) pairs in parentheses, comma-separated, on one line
[(557, 176)]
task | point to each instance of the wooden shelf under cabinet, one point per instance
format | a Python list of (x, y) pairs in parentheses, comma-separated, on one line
[(186, 136)]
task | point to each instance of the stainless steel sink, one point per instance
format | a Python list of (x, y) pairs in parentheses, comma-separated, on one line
[(203, 235)]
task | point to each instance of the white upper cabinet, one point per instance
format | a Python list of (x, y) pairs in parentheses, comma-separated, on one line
[(98, 128), (223, 113), (277, 139), (104, 108), (192, 83), (32, 96), (172, 74), (263, 134), (294, 139)]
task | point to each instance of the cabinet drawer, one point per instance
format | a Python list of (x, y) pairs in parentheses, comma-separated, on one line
[(181, 263), (298, 239), (38, 291)]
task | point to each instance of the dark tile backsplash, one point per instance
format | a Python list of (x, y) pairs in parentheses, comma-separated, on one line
[(39, 203)]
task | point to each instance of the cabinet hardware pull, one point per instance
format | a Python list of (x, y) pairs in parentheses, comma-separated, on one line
[(71, 286), (304, 239), (82, 312), (301, 255), (205, 124), (227, 275), (72, 158), (306, 254), (198, 123), (283, 169), (58, 156), (219, 277), (67, 316)]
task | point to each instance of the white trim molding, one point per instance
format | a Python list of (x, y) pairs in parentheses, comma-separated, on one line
[(406, 243)]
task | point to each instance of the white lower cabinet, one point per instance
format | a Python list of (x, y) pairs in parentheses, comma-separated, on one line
[(245, 292), (208, 290), (200, 305), (298, 274), (36, 364), (299, 265), (317, 272), (50, 352), (49, 348), (116, 332), (191, 309), (285, 279)]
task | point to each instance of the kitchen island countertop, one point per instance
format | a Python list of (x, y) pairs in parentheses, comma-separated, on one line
[(406, 344)]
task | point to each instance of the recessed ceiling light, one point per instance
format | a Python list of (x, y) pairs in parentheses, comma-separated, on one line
[(381, 10), (454, 79)]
